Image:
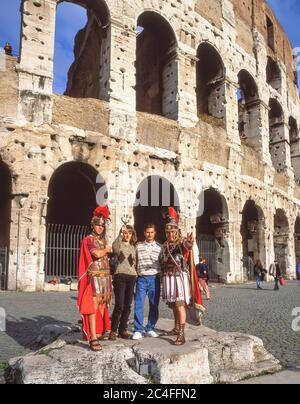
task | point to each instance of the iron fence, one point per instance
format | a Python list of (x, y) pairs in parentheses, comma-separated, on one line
[(63, 249), (3, 268), (207, 249)]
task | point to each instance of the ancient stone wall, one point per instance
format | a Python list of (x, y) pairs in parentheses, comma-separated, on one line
[(194, 152)]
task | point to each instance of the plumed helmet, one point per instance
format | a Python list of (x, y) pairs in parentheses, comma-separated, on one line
[(101, 216)]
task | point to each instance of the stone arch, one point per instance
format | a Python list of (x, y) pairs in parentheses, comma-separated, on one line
[(212, 229), (277, 135), (281, 239), (248, 107), (253, 237), (156, 66), (294, 145), (154, 195), (73, 192), (273, 74), (210, 88), (88, 76), (5, 222)]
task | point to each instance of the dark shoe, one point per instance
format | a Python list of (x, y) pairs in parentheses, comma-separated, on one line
[(180, 337), (113, 336), (125, 335)]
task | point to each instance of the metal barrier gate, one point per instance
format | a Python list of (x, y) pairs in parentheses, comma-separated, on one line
[(63, 249), (3, 268), (207, 249)]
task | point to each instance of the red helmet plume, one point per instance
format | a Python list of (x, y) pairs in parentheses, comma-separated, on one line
[(173, 215), (102, 211)]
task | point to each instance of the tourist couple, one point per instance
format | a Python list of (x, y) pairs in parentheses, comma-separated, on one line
[(140, 266)]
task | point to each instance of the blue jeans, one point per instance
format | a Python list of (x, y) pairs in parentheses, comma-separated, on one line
[(146, 286), (259, 282)]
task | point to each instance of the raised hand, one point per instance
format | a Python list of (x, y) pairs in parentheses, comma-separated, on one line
[(190, 238)]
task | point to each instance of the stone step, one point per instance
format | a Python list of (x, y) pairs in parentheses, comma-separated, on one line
[(207, 357)]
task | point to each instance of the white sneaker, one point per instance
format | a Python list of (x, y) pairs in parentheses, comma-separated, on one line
[(152, 334), (137, 335)]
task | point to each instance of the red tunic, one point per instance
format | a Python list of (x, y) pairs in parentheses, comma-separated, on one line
[(85, 296)]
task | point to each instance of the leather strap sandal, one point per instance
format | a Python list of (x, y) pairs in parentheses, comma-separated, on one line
[(95, 346), (180, 337)]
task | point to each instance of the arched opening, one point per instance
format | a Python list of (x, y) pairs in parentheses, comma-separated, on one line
[(73, 193), (5, 221), (252, 231), (278, 144), (273, 74), (82, 65), (297, 245), (281, 236), (212, 230), (248, 107), (155, 194), (294, 144), (156, 66), (211, 94)]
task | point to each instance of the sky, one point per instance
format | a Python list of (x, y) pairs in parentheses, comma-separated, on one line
[(71, 18)]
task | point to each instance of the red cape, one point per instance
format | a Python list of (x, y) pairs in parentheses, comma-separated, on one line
[(196, 292), (85, 296)]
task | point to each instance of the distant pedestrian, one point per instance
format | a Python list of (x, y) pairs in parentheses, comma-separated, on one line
[(298, 270), (275, 271), (8, 49), (260, 274), (203, 275)]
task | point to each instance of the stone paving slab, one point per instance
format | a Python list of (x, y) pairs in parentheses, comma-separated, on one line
[(286, 377)]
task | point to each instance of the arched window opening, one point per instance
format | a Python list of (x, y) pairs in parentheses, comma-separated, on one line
[(295, 147), (273, 75), (156, 67), (82, 65), (73, 196), (212, 231), (248, 107), (5, 222), (278, 144), (211, 94), (155, 194), (281, 237), (252, 231)]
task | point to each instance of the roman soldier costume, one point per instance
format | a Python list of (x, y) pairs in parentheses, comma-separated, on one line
[(179, 275), (95, 280)]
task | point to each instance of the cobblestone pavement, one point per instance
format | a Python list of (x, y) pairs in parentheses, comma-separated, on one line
[(266, 314)]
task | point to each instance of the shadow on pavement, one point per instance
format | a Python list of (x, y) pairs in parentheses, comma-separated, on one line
[(25, 330)]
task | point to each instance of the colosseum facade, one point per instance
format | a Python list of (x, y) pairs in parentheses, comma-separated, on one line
[(198, 95)]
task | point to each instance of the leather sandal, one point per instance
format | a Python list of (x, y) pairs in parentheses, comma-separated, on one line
[(95, 346), (180, 337)]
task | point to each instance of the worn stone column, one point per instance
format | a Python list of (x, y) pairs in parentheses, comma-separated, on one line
[(187, 100), (232, 116), (123, 121), (36, 60)]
